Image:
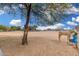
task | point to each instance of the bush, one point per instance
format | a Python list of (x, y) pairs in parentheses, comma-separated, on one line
[(3, 28), (33, 28), (14, 28)]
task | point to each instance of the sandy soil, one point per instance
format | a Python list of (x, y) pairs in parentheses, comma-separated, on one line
[(44, 43)]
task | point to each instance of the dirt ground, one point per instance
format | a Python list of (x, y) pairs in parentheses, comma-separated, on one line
[(44, 43)]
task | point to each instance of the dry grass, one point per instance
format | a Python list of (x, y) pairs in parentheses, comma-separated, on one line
[(43, 43)]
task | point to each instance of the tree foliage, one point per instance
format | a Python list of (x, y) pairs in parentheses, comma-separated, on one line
[(11, 28), (3, 28), (45, 13)]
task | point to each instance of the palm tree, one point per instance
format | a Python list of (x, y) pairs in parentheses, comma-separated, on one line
[(46, 13)]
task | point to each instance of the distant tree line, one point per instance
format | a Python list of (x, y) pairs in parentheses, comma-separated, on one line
[(11, 28), (32, 28), (14, 28), (3, 28)]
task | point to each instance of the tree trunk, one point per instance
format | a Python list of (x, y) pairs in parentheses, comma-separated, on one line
[(26, 28)]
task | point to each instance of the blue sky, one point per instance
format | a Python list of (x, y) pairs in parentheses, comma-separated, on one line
[(5, 18)]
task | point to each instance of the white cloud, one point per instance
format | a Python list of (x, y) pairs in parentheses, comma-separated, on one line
[(73, 19), (67, 28), (77, 19), (71, 23), (21, 6), (1, 12), (15, 22), (58, 26), (72, 10), (41, 28), (52, 27)]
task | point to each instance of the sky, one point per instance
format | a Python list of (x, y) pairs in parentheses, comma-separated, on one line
[(69, 22), (72, 20)]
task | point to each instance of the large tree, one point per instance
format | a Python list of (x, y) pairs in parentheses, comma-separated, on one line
[(45, 13)]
